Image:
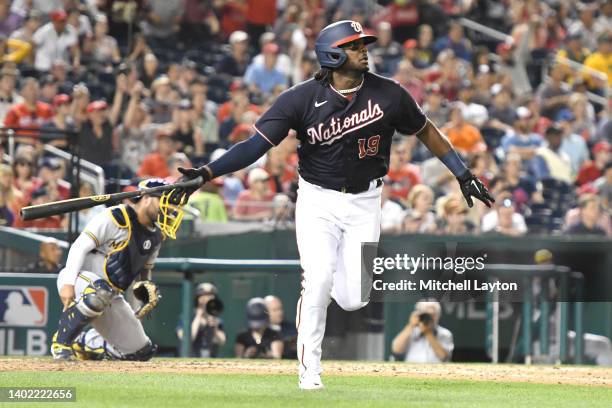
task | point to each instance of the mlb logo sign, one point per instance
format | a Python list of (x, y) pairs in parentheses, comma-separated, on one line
[(23, 306)]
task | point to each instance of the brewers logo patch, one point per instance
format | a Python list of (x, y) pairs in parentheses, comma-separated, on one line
[(23, 306)]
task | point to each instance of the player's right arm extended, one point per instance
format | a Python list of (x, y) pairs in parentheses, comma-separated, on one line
[(238, 157)]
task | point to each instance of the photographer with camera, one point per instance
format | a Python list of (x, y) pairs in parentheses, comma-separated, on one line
[(259, 340), (423, 340), (207, 334)]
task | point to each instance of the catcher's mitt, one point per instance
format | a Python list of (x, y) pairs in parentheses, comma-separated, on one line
[(148, 293)]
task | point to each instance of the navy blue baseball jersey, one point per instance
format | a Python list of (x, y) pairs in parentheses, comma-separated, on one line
[(344, 142)]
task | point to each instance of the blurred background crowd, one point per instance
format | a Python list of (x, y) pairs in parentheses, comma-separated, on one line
[(140, 88)]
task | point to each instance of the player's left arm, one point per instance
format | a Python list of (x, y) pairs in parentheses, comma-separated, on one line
[(440, 146)]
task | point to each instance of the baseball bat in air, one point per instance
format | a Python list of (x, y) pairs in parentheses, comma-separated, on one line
[(75, 204)]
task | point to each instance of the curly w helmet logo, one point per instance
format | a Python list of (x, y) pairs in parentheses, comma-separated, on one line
[(356, 26), (23, 306)]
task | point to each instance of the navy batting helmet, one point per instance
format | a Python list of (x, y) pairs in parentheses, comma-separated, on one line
[(332, 37)]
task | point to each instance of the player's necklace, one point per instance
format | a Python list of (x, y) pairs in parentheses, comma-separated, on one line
[(351, 90)]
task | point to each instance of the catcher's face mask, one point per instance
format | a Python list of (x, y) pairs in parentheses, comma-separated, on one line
[(170, 215)]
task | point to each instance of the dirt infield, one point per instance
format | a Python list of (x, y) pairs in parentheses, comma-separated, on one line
[(583, 375)]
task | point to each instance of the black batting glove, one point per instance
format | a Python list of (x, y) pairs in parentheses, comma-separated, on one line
[(180, 195), (471, 186)]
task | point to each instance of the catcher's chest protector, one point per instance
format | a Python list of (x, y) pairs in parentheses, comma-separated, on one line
[(124, 263)]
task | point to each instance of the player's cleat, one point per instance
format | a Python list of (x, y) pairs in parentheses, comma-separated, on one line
[(311, 382), (83, 352), (61, 352)]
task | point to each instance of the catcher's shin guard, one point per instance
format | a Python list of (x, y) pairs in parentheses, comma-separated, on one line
[(84, 350), (144, 354), (95, 298)]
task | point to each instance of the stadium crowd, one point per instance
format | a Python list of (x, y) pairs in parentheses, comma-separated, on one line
[(141, 88)]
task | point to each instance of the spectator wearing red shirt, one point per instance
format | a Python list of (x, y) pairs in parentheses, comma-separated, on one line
[(402, 174), (255, 204), (31, 113), (239, 95), (233, 16), (593, 169), (156, 164), (260, 14)]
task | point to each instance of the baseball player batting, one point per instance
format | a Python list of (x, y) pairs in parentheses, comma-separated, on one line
[(345, 118), (117, 247)]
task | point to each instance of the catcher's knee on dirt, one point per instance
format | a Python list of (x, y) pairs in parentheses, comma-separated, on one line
[(144, 354), (95, 298)]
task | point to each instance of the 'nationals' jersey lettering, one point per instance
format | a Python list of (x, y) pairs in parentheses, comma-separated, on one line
[(343, 142), (338, 127)]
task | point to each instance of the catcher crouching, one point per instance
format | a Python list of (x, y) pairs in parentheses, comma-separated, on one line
[(116, 248)]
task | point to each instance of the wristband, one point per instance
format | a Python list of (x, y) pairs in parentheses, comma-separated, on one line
[(454, 163)]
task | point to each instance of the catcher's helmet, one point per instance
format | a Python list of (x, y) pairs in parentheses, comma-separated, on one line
[(327, 47), (170, 215)]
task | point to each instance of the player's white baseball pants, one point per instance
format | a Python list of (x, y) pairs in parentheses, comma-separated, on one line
[(330, 228), (118, 325)]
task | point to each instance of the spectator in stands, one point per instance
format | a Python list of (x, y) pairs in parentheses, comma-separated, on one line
[(96, 135), (26, 32), (205, 112), (284, 63), (402, 174), (43, 195), (265, 78), (209, 202), (419, 215), (31, 113), (260, 14), (106, 50), (572, 144), (9, 20), (406, 75), (386, 52), (8, 96), (24, 172), (520, 138), (49, 257), (162, 23), (553, 95), (259, 340), (574, 49), (434, 106), (456, 41), (600, 60), (187, 135), (504, 219), (590, 216), (236, 61), (286, 330), (392, 214), (593, 169), (255, 203), (453, 217), (199, 21), (86, 215), (50, 171), (56, 39), (464, 137), (424, 47), (501, 114), (604, 185), (61, 123), (80, 22), (156, 164), (423, 340), (239, 97), (549, 161), (11, 198), (207, 333), (522, 188), (586, 25), (136, 133)]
